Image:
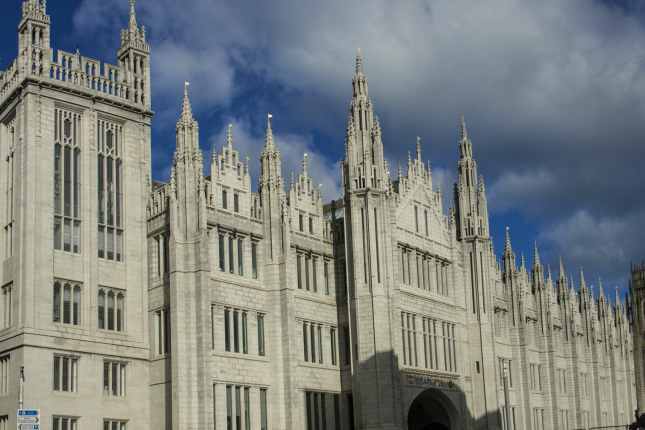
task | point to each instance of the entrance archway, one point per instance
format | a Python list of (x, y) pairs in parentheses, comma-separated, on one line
[(431, 410)]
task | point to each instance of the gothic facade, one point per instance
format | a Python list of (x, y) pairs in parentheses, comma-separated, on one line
[(637, 313), (206, 302)]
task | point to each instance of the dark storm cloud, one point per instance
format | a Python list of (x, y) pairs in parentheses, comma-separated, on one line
[(552, 91)]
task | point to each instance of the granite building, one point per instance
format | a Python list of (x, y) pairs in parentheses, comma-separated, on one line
[(210, 302), (637, 308)]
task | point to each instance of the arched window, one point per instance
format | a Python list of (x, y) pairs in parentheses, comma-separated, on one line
[(67, 304), (76, 310), (101, 309), (119, 312), (110, 311), (57, 297)]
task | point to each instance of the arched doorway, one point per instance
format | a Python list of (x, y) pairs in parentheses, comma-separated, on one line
[(431, 410)]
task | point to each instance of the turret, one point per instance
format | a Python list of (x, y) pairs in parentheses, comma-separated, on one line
[(470, 193), (34, 39), (537, 272), (134, 60)]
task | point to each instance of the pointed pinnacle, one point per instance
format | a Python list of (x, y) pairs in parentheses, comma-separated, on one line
[(536, 255), (463, 131), (229, 136), (269, 133), (305, 165), (561, 275), (507, 242), (186, 112), (418, 148), (133, 15), (359, 62), (582, 278)]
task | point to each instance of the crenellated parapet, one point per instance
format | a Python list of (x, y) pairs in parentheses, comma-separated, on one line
[(128, 82)]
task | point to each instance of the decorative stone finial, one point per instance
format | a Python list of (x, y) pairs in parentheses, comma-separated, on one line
[(269, 133), (186, 112), (133, 16), (507, 241), (305, 165), (229, 136), (359, 62), (462, 128), (418, 148)]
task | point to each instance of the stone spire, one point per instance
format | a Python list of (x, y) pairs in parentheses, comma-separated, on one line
[(463, 130), (470, 194), (268, 138), (508, 248), (133, 26), (359, 62), (536, 255), (419, 149), (186, 110), (364, 164), (229, 137), (270, 160)]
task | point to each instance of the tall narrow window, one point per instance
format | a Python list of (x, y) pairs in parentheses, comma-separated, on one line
[(299, 270), (7, 305), (425, 215), (247, 408), (236, 202), (67, 181), (222, 253), (101, 309), (416, 219), (231, 254), (240, 257), (224, 200), (320, 350), (110, 193), (229, 407), (245, 339), (314, 271), (254, 259), (227, 329), (264, 421), (57, 302), (261, 350), (332, 340), (326, 277), (238, 409), (67, 304), (236, 333)]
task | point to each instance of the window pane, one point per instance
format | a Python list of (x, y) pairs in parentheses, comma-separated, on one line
[(67, 187), (67, 304), (263, 410), (77, 305), (101, 310), (110, 311), (56, 304), (77, 182), (227, 330), (57, 373)]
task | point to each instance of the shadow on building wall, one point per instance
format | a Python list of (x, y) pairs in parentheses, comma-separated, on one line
[(419, 399)]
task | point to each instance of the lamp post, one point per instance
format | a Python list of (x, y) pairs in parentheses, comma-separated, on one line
[(507, 411)]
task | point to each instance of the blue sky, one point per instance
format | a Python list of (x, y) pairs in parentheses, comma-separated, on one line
[(552, 92)]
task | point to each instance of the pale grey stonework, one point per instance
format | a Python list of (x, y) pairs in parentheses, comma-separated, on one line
[(406, 312)]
